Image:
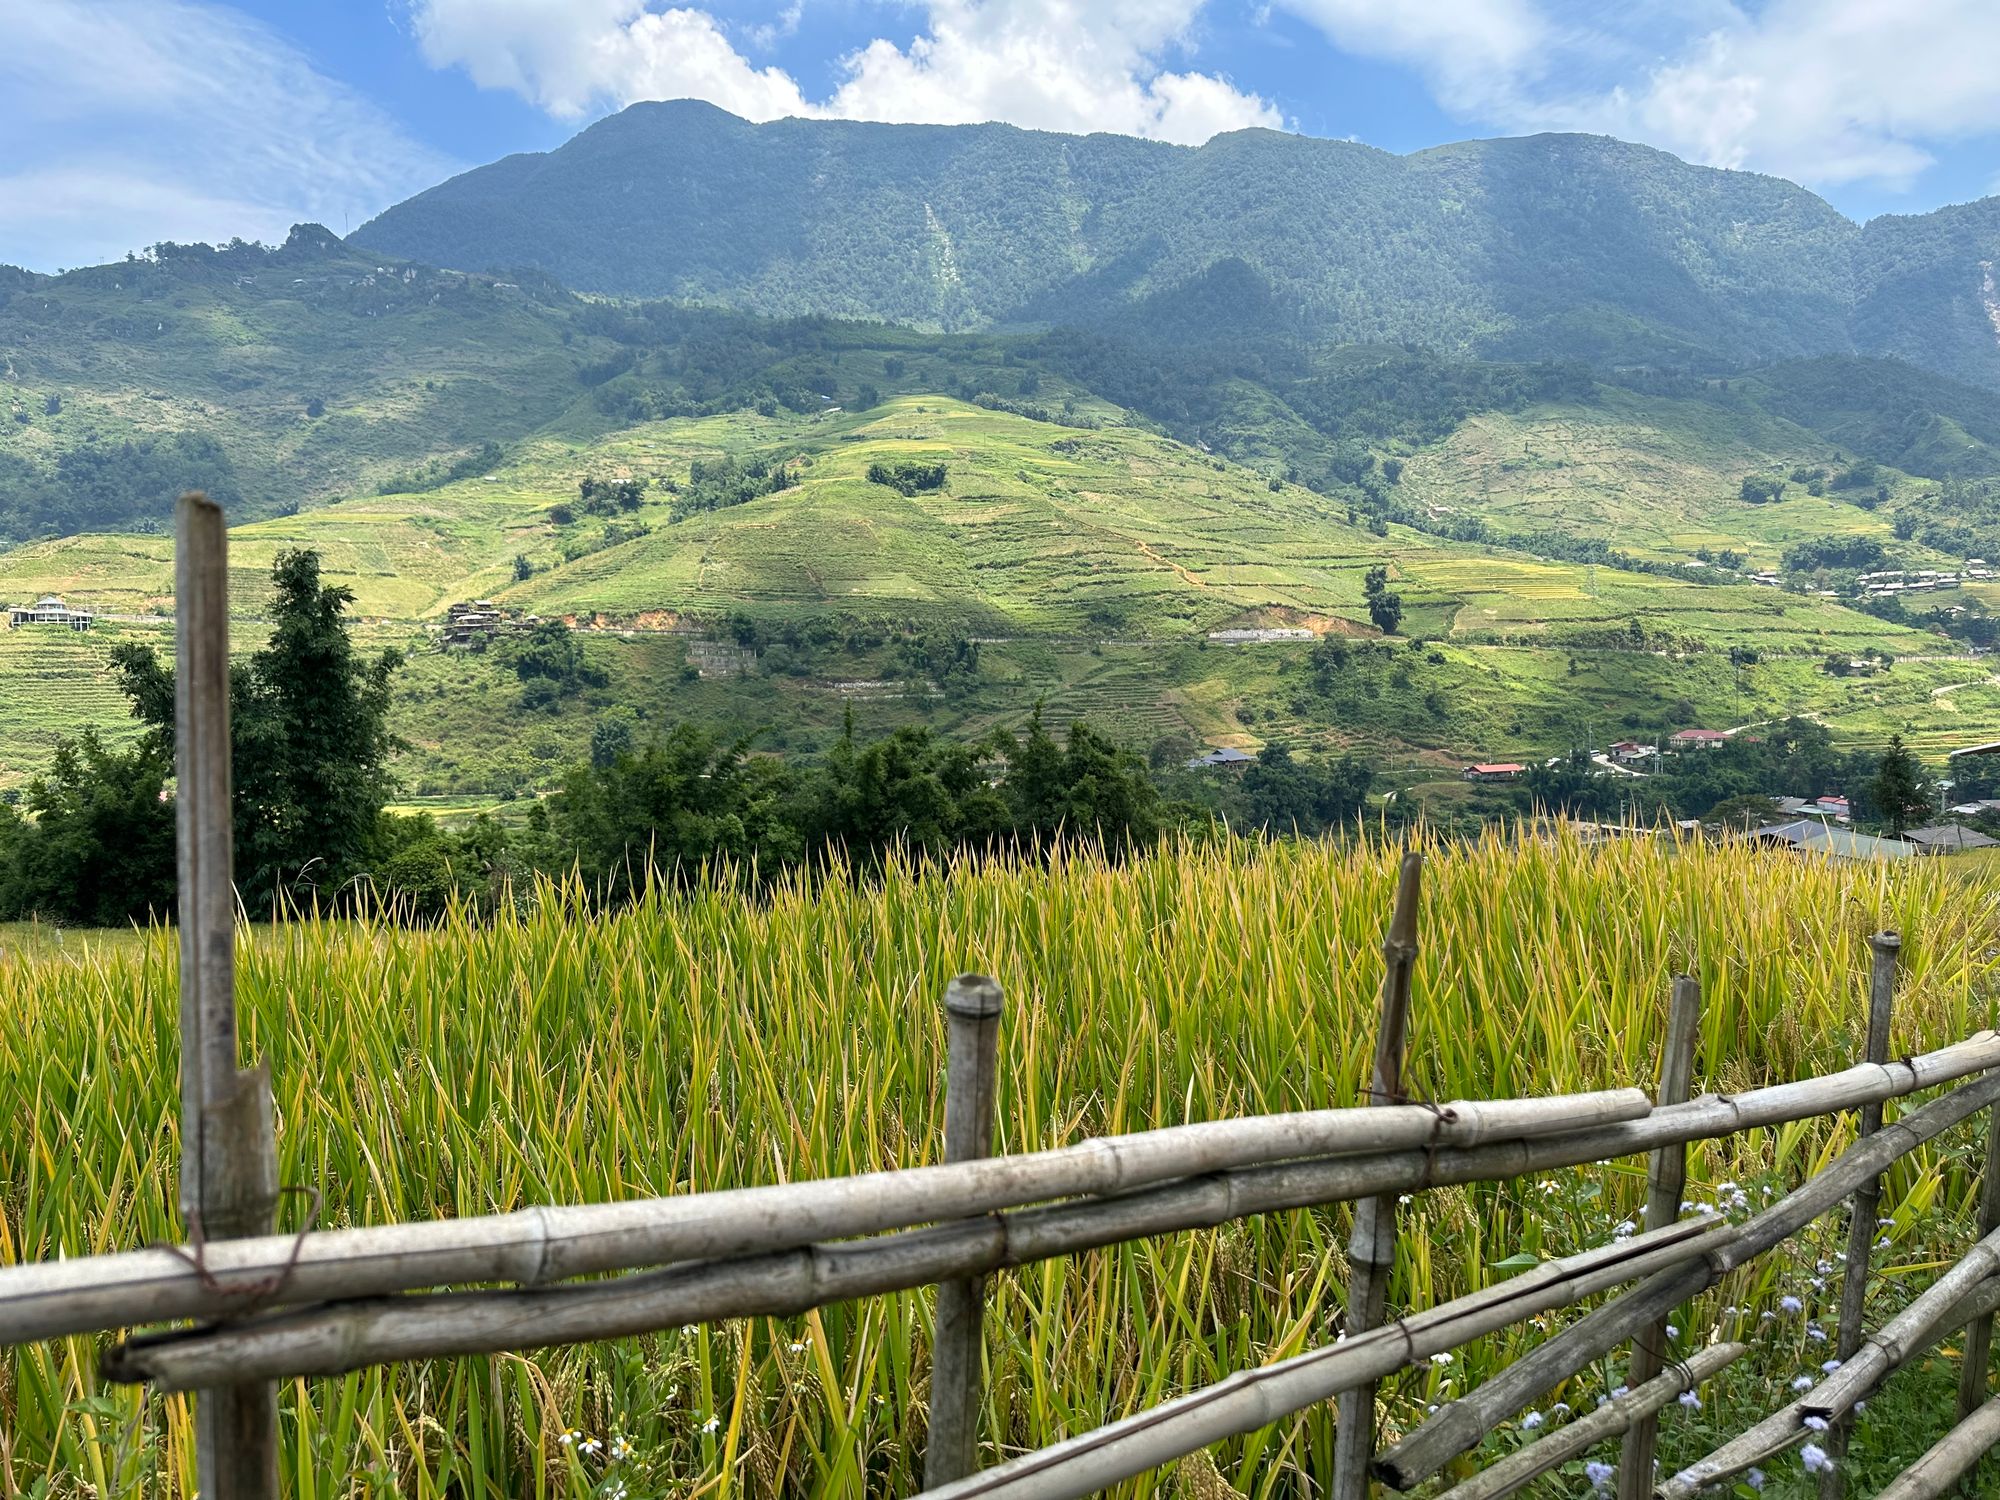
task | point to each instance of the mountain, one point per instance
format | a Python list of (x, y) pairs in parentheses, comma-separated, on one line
[(1553, 245)]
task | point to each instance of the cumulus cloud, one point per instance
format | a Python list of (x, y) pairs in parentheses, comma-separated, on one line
[(1475, 55), (1051, 64), (1825, 91), (1828, 91), (173, 119)]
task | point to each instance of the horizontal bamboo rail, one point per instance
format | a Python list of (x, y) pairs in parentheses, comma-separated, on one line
[(545, 1244), (1935, 1474), (1937, 1310), (1615, 1417), (1460, 1424), (534, 1246), (1250, 1399)]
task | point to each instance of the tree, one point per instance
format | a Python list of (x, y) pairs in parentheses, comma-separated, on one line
[(1386, 610), (1384, 607), (523, 569), (1744, 811), (309, 738), (1902, 792), (99, 850)]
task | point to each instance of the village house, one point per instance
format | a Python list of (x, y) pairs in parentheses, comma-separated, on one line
[(1224, 759), (1695, 739), (1631, 752), (1831, 806), (1505, 770), (1810, 837), (49, 611), (1948, 838), (468, 627)]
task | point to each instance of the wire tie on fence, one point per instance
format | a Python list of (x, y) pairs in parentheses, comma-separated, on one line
[(265, 1287)]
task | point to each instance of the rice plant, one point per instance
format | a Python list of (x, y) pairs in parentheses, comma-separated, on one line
[(704, 1039)]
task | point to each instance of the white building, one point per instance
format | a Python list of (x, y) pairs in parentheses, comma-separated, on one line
[(48, 611)]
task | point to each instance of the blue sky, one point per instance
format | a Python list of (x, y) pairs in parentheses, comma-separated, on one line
[(131, 121)]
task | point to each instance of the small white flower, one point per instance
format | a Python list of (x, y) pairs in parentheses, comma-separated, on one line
[(1790, 1304), (797, 1347), (1814, 1458), (1817, 1335), (591, 1445), (1817, 1424), (1561, 1409), (1755, 1478), (711, 1424), (1599, 1474), (1883, 1243), (1885, 1223), (1621, 1390), (1830, 1366), (1690, 1400), (1803, 1383), (1766, 1317), (1403, 1199), (1531, 1421), (1442, 1357), (1860, 1407), (620, 1448), (569, 1437)]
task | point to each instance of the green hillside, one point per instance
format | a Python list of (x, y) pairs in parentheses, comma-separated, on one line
[(1555, 245), (1088, 566)]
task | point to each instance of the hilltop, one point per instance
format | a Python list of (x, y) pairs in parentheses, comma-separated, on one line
[(1546, 246)]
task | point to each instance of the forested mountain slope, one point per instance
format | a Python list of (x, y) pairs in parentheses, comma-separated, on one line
[(1555, 245)]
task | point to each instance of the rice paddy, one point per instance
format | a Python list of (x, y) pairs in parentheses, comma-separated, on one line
[(706, 1039)]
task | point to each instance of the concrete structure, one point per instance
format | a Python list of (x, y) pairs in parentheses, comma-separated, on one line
[(49, 611), (1504, 770)]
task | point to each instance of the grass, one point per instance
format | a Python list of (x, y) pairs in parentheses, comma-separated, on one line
[(704, 1040), (1653, 476)]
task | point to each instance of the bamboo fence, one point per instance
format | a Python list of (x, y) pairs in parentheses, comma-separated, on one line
[(250, 1307)]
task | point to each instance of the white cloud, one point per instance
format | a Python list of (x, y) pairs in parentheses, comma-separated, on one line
[(573, 56), (169, 119), (1827, 91), (1474, 54), (1050, 64), (1824, 91)]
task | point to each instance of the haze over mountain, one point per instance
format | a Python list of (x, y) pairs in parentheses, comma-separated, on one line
[(1553, 245)]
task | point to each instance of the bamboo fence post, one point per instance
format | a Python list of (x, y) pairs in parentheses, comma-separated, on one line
[(1973, 1375), (228, 1185), (1371, 1249), (972, 1004), (1666, 1180), (1861, 1228)]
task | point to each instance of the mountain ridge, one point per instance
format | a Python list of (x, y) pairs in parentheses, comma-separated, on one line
[(1551, 245)]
